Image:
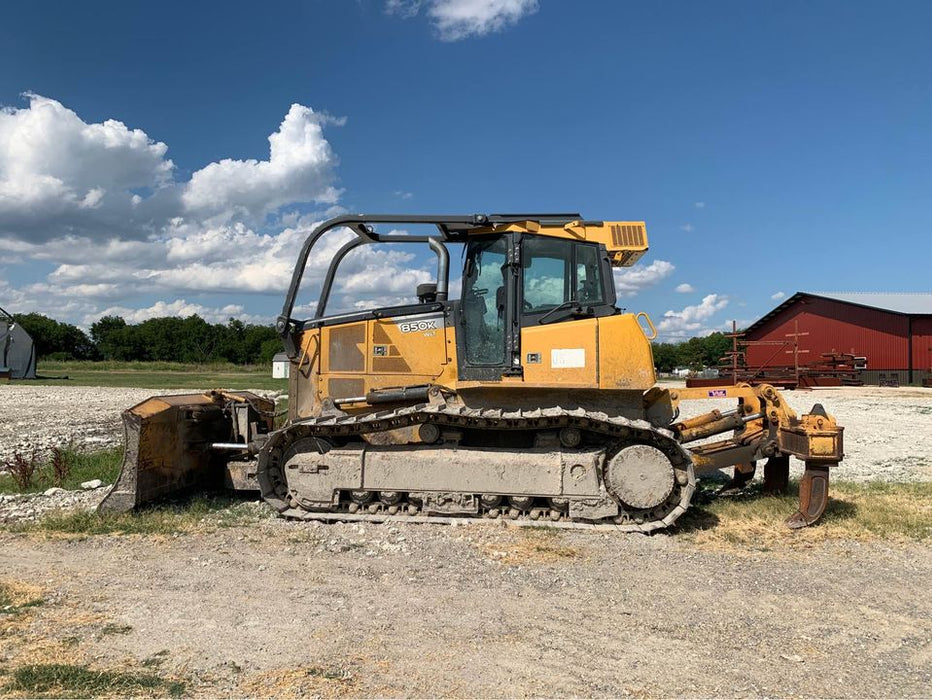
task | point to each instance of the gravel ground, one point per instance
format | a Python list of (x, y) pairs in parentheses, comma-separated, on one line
[(406, 610), (41, 417), (481, 611)]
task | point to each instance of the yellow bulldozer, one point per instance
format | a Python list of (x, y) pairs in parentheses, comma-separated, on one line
[(532, 397)]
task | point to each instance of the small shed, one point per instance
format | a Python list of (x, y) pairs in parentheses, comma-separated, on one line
[(17, 351), (281, 366)]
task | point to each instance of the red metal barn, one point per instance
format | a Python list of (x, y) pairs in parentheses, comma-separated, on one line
[(893, 332)]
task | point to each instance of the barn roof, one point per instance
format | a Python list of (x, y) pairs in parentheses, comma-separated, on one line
[(910, 303), (897, 302)]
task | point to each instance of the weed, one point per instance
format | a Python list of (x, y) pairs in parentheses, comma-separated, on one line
[(533, 545), (61, 466), (171, 518), (23, 468), (67, 468), (69, 680), (16, 597), (157, 659), (307, 681), (113, 628)]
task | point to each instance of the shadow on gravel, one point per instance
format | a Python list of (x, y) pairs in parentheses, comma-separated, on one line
[(696, 519)]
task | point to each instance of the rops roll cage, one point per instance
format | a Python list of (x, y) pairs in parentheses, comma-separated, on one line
[(453, 228)]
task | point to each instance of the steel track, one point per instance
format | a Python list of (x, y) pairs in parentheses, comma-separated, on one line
[(615, 430)]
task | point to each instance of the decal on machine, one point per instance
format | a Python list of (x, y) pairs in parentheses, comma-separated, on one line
[(567, 358), (416, 324)]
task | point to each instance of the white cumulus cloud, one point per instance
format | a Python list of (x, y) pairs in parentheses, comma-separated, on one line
[(692, 320), (180, 308), (685, 288), (101, 206), (299, 168), (777, 296), (460, 19), (630, 280), (60, 175)]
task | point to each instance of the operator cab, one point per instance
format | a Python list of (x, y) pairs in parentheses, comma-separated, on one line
[(512, 281), (537, 305)]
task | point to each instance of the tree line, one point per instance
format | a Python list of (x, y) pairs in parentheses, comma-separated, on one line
[(166, 339), (694, 353), (193, 340)]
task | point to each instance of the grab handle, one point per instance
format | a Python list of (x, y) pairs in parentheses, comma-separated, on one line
[(649, 323)]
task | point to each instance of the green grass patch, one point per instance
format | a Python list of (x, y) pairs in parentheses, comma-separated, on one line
[(73, 681), (160, 375), (196, 514), (16, 597), (860, 511), (82, 466)]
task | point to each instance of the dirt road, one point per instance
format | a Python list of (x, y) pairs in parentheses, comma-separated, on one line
[(296, 608)]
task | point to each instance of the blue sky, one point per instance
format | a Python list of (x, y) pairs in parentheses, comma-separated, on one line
[(771, 147)]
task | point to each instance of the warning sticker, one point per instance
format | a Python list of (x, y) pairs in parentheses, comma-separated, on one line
[(718, 392), (567, 358)]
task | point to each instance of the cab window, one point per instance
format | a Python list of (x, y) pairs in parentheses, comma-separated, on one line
[(547, 273), (558, 271), (588, 276), (483, 301)]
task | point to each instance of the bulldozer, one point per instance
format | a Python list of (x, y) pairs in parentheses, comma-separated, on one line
[(532, 397)]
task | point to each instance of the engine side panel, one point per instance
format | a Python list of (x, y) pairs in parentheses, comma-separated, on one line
[(352, 359), (625, 357)]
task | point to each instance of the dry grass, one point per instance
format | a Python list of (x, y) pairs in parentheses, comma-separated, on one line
[(896, 512), (43, 664), (16, 596), (307, 681), (532, 545)]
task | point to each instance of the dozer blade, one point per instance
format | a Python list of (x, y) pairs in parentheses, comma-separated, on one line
[(168, 444)]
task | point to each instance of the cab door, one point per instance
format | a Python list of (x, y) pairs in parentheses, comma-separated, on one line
[(563, 293), (487, 340)]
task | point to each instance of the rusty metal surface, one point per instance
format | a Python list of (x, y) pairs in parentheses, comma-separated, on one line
[(168, 445), (777, 475), (813, 496)]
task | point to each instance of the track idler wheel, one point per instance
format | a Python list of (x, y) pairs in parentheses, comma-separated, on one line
[(813, 496), (640, 476)]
